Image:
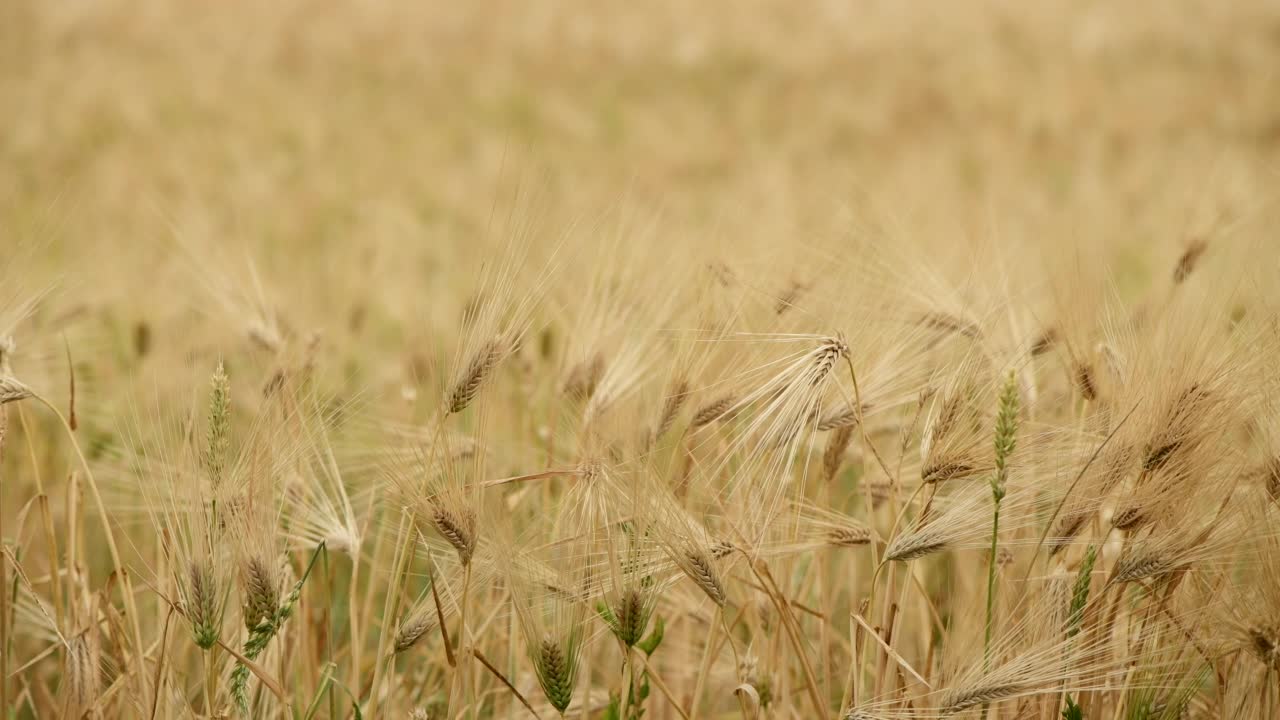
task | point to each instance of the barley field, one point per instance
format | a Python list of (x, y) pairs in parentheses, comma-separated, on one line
[(616, 361)]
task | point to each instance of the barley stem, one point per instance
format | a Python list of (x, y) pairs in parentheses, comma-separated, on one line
[(1005, 442), (991, 580), (131, 606)]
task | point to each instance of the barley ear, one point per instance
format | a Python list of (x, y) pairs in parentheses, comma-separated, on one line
[(954, 701), (631, 616), (1005, 442), (468, 384), (459, 530), (554, 667), (11, 390), (833, 454), (671, 408), (82, 671), (411, 631), (202, 606), (1006, 431), (262, 632), (218, 433), (704, 575)]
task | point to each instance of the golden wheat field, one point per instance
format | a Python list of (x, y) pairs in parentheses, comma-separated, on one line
[(615, 361)]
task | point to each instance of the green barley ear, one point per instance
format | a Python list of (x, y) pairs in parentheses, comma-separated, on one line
[(632, 613), (1006, 430), (1072, 711), (261, 595), (206, 620), (219, 431), (261, 633), (556, 667), (628, 617), (1080, 593), (1005, 441)]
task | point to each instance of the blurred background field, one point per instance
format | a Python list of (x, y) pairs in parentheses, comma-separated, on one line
[(309, 130), (342, 145)]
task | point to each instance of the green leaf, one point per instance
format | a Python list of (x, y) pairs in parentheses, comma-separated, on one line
[(1080, 593), (326, 680), (611, 712), (1073, 711), (607, 615), (651, 643), (355, 702)]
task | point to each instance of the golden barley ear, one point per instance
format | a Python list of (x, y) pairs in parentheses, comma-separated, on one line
[(790, 296), (11, 390), (857, 714), (948, 323), (584, 378), (82, 670), (850, 537), (943, 471), (413, 629), (842, 419), (1067, 527), (959, 699), (825, 357), (1140, 563), (833, 455), (458, 526), (714, 410), (1271, 479), (671, 407), (911, 547), (467, 385), (703, 573), (1044, 342), (1085, 382)]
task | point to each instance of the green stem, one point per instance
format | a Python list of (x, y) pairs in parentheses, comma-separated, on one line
[(996, 495), (629, 677), (210, 677), (328, 633)]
